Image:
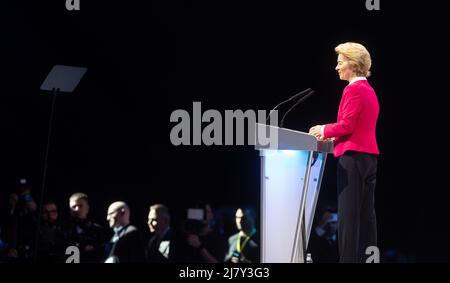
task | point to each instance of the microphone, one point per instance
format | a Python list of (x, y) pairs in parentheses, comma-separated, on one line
[(293, 106), (287, 100)]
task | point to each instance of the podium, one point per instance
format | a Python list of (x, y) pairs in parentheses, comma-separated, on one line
[(291, 174)]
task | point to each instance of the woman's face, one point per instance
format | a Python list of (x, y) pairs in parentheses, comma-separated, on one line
[(344, 69)]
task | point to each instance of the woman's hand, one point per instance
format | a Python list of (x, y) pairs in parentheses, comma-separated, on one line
[(317, 132)]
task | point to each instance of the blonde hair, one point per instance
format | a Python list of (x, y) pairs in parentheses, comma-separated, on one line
[(358, 57)]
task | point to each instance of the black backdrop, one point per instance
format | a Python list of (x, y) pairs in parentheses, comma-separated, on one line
[(111, 138)]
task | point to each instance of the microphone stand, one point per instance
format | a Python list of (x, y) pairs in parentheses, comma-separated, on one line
[(287, 100), (293, 106)]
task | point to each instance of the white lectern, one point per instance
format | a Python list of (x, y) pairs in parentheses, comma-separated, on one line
[(291, 173)]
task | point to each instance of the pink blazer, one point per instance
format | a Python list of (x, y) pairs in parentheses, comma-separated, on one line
[(356, 120)]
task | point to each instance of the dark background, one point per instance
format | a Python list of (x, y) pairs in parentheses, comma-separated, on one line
[(111, 137)]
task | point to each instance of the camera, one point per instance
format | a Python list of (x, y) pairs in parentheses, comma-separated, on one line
[(195, 220), (196, 214)]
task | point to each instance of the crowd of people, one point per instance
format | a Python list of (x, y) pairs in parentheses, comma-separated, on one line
[(33, 233)]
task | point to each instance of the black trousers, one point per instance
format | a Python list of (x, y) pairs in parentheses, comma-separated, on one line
[(357, 225)]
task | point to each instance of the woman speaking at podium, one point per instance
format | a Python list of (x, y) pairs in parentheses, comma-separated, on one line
[(356, 147)]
